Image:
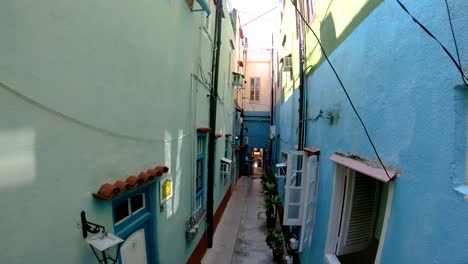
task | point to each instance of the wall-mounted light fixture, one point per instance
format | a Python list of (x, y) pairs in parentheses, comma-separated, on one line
[(105, 243)]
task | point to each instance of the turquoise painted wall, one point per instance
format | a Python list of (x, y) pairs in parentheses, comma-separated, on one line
[(124, 69), (412, 100)]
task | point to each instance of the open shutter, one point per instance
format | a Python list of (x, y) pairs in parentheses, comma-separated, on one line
[(359, 213), (294, 195), (311, 199)]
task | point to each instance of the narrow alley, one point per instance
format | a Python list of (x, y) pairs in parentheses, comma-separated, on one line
[(240, 236), (234, 131)]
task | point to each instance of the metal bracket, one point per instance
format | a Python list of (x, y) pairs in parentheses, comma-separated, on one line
[(89, 226)]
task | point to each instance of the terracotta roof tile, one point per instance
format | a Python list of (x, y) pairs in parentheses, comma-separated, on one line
[(218, 135), (107, 190), (163, 168), (133, 181), (145, 176), (152, 172), (228, 135), (204, 130), (123, 186)]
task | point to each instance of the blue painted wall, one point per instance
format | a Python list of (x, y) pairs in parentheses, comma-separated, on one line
[(258, 124), (410, 97)]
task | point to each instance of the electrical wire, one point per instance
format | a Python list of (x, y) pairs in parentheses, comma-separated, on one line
[(457, 64), (84, 124), (454, 38), (343, 88)]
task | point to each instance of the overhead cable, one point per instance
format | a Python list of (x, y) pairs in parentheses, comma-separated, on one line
[(343, 88), (457, 64), (84, 124)]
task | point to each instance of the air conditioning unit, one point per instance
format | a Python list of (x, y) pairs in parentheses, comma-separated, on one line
[(237, 79), (287, 63)]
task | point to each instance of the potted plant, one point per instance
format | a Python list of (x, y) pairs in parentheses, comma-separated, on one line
[(270, 202), (275, 241)]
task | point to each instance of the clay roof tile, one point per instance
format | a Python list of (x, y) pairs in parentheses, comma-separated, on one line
[(107, 190)]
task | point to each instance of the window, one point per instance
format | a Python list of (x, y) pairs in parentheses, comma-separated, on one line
[(310, 6), (293, 198), (225, 169), (128, 207), (358, 217), (226, 148), (255, 89), (300, 193), (200, 175)]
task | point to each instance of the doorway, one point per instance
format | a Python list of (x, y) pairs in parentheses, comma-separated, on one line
[(256, 157), (133, 221)]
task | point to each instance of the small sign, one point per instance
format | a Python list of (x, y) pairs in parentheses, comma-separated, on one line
[(166, 190)]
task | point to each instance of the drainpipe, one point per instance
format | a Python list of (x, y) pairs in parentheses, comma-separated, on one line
[(271, 99), (212, 139), (300, 143)]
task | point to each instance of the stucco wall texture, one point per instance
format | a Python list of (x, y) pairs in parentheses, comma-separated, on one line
[(413, 102), (122, 67)]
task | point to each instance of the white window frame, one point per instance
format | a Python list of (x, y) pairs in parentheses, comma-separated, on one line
[(310, 202), (255, 84), (289, 174), (335, 216), (281, 170), (225, 169)]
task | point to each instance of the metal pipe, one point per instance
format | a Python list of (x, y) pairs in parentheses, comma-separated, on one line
[(300, 143), (212, 139), (271, 99)]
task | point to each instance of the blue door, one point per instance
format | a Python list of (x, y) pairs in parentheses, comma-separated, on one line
[(133, 221)]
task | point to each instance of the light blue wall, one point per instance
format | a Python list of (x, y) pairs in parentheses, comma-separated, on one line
[(258, 124), (411, 98), (123, 69)]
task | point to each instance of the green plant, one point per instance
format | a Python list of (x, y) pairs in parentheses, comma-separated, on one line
[(270, 204), (275, 241), (268, 177), (269, 188)]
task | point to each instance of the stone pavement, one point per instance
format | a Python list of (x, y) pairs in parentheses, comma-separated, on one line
[(240, 236)]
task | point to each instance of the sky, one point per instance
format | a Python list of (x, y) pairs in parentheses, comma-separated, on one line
[(258, 31)]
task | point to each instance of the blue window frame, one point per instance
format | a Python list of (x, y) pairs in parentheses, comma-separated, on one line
[(134, 210), (200, 175)]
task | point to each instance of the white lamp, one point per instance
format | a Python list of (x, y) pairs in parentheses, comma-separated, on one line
[(104, 242)]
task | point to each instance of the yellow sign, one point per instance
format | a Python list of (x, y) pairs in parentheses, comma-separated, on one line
[(166, 191)]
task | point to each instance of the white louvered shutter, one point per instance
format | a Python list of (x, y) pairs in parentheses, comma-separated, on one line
[(311, 199), (294, 189), (359, 213)]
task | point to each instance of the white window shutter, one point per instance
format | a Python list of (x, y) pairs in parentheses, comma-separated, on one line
[(294, 189), (311, 199), (359, 213)]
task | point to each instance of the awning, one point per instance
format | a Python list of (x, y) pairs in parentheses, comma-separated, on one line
[(226, 160), (364, 168), (204, 6), (281, 165)]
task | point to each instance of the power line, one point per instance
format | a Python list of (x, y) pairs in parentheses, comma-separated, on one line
[(454, 39), (457, 64), (343, 88), (257, 17), (84, 124)]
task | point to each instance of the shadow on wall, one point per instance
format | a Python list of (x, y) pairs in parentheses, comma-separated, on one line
[(328, 32)]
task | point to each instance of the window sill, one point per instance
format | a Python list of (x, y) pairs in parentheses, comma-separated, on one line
[(200, 216), (331, 259), (463, 190)]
